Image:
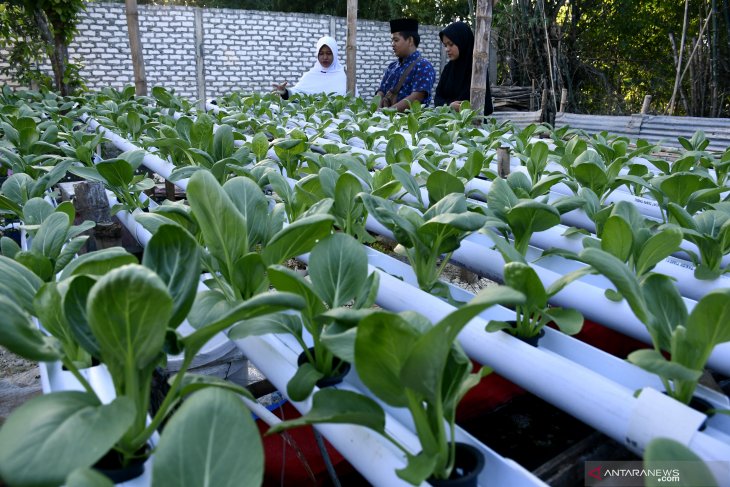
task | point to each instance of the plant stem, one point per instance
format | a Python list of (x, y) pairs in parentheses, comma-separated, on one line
[(170, 399), (72, 368)]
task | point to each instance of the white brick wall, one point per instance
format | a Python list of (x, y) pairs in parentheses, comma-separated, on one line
[(244, 50)]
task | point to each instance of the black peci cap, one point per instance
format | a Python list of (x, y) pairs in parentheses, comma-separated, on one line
[(403, 25)]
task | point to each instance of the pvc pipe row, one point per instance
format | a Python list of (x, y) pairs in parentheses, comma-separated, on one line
[(571, 296), (612, 368), (590, 397)]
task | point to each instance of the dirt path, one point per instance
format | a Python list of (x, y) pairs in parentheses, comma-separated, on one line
[(19, 381)]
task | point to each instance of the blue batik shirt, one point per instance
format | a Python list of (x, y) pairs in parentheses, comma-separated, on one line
[(421, 78)]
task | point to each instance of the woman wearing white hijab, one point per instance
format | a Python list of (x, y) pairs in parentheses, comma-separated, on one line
[(326, 76)]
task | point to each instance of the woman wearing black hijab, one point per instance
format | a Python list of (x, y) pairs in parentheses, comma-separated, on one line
[(455, 81)]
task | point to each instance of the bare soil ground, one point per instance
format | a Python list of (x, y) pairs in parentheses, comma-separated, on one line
[(19, 381)]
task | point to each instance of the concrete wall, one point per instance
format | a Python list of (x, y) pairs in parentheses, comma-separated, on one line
[(244, 50)]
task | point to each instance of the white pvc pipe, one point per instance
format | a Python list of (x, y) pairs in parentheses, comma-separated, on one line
[(613, 368), (363, 448), (586, 395), (476, 254), (153, 162)]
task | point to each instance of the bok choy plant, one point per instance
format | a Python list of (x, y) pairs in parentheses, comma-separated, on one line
[(338, 271), (118, 175), (710, 231), (126, 317), (688, 338), (407, 362), (426, 238)]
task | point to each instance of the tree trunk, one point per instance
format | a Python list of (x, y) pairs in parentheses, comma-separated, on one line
[(480, 64), (58, 51), (351, 47), (135, 46)]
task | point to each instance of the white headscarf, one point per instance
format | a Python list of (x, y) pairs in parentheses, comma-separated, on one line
[(321, 80)]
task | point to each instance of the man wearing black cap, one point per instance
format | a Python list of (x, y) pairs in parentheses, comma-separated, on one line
[(411, 77)]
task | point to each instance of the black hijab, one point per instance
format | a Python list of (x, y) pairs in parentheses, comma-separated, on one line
[(455, 81)]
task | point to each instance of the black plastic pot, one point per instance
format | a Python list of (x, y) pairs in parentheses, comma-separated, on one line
[(343, 367), (530, 340), (468, 465), (533, 340), (110, 465), (703, 406)]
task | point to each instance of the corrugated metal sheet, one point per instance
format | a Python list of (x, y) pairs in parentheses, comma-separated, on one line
[(654, 128)]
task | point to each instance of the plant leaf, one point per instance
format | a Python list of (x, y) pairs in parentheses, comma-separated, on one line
[(98, 262), (617, 238), (87, 477), (297, 238), (22, 337), (51, 236), (301, 385), (39, 442), (222, 225), (424, 367), (570, 321), (252, 204), (383, 343), (274, 323), (128, 311), (654, 362), (217, 423), (18, 283), (338, 406), (256, 306), (173, 254), (657, 248), (665, 453), (338, 268)]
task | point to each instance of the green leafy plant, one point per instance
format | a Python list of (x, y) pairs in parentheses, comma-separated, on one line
[(425, 238), (127, 317), (689, 338), (241, 235), (630, 237), (520, 217), (289, 151), (338, 277), (54, 242), (407, 362), (19, 188), (710, 231), (118, 175), (534, 313)]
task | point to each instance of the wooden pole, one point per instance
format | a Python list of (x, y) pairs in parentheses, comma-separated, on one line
[(645, 105), (677, 79), (480, 66), (135, 46), (199, 58), (351, 47), (503, 167), (545, 110), (533, 96), (563, 100)]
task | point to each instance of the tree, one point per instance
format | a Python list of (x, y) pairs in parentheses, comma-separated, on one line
[(20, 38), (54, 24)]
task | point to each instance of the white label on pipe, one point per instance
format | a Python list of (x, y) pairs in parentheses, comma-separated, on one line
[(656, 414)]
